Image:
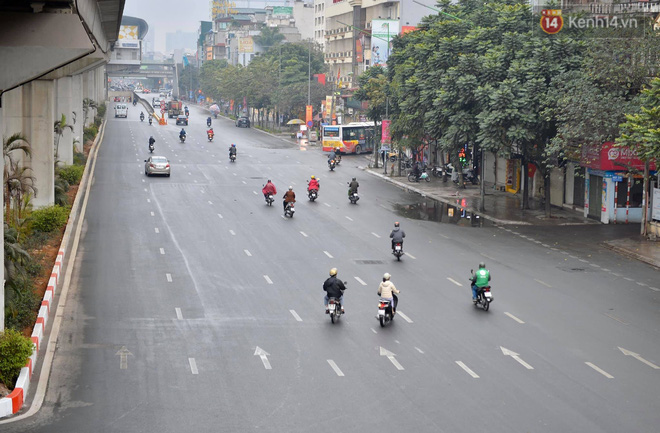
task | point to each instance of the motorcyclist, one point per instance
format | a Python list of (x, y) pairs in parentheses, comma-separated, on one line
[(208, 121), (397, 235), (232, 150), (289, 197), (141, 116), (152, 140), (416, 171), (150, 120), (269, 189), (182, 134), (333, 288), (353, 187), (332, 156), (313, 184), (386, 290), (479, 279), (210, 133), (185, 109)]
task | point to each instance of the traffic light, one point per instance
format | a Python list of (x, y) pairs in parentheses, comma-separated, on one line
[(461, 156)]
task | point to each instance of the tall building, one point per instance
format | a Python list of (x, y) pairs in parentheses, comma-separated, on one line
[(180, 41)]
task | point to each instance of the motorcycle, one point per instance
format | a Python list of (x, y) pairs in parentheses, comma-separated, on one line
[(312, 194), (423, 176), (209, 136), (289, 210), (269, 199), (182, 138), (151, 148), (338, 159), (484, 296), (232, 157), (398, 250), (331, 164), (208, 123), (141, 117), (385, 314), (437, 171), (150, 121), (334, 309), (470, 176), (353, 196)]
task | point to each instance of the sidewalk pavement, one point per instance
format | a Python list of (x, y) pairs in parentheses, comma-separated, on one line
[(637, 248)]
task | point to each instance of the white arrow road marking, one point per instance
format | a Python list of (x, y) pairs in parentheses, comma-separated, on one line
[(378, 236), (247, 253), (178, 313), (162, 251), (419, 350), (467, 369), (304, 234), (268, 280), (263, 355), (328, 254), (454, 281), (514, 355), (335, 368), (637, 357), (295, 315), (349, 218), (359, 280), (514, 317), (601, 371), (123, 354), (406, 318), (232, 232), (391, 357), (169, 277), (156, 230), (541, 282), (410, 255), (193, 366)]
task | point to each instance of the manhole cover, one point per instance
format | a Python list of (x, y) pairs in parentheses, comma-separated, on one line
[(369, 262)]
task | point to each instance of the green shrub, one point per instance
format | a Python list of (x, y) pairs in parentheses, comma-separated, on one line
[(49, 218), (90, 133), (22, 303), (79, 158), (72, 173), (101, 109), (15, 350)]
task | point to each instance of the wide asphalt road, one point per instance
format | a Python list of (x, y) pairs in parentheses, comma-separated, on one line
[(197, 308)]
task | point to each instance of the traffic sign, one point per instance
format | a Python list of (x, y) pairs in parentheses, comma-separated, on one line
[(310, 123)]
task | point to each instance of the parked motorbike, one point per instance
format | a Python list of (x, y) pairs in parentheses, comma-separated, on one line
[(269, 199), (332, 164), (470, 176), (232, 157), (312, 194), (385, 314), (334, 309), (423, 176), (484, 296), (437, 171), (398, 250), (289, 210), (151, 148)]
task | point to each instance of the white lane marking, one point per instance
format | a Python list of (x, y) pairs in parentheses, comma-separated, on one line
[(295, 315), (335, 368), (143, 180), (234, 174), (148, 200), (655, 289), (179, 316), (189, 174), (268, 280), (195, 180), (397, 341), (304, 234), (516, 356), (391, 357), (419, 350), (264, 357), (600, 370), (326, 204), (162, 251), (244, 182), (254, 192), (193, 365), (220, 216), (153, 214), (541, 282), (247, 253), (638, 357), (210, 202), (545, 245), (169, 277), (156, 230), (146, 190), (378, 236), (406, 318), (349, 218), (328, 254), (642, 284), (467, 369), (232, 232), (514, 317), (359, 280), (409, 255), (446, 237), (606, 270), (374, 331), (454, 281), (564, 252), (572, 256), (615, 274), (627, 279), (583, 260), (594, 265)]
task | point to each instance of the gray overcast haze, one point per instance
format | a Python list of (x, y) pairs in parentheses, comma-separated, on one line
[(168, 16)]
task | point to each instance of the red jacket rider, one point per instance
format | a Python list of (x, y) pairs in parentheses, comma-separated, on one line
[(269, 188), (313, 184)]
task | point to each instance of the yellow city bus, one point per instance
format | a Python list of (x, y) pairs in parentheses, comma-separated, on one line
[(355, 137)]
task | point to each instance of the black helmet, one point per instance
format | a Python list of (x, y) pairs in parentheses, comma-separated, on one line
[(353, 178), (268, 181), (482, 265), (396, 224)]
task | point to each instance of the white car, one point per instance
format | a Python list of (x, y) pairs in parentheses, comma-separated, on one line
[(121, 110)]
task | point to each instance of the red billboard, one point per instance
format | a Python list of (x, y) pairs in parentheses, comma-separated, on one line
[(610, 158)]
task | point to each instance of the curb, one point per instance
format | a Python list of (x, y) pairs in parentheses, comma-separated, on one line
[(626, 252), (13, 402), (407, 187)]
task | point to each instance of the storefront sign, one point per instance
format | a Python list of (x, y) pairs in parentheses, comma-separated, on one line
[(610, 158), (385, 137)]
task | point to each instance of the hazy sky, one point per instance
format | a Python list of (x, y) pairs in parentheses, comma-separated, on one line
[(166, 16)]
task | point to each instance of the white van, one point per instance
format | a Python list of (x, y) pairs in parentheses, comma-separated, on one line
[(121, 110)]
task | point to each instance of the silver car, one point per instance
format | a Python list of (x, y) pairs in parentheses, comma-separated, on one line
[(157, 165)]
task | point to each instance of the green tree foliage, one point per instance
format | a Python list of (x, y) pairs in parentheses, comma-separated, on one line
[(209, 77), (49, 218), (269, 37), (641, 131), (188, 80), (15, 349), (373, 86)]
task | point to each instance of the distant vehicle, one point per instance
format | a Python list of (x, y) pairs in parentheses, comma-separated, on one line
[(155, 102), (356, 137), (157, 165), (121, 110), (181, 119), (242, 121), (174, 108), (145, 91)]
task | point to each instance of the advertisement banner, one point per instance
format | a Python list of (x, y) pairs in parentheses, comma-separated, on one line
[(382, 33), (385, 132), (128, 33), (282, 10), (359, 44), (328, 107), (245, 45), (308, 116), (655, 211)]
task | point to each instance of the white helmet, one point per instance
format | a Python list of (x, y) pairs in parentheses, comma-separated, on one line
[(386, 276), (290, 188)]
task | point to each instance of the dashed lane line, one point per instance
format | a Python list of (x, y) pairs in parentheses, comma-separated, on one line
[(247, 253), (410, 255), (419, 350), (600, 370), (179, 316), (232, 232), (406, 318), (542, 282), (295, 315), (359, 280), (514, 318), (328, 254), (156, 230), (169, 277), (349, 218), (193, 366), (335, 368), (162, 251), (268, 280), (375, 234), (454, 281), (467, 369), (304, 234)]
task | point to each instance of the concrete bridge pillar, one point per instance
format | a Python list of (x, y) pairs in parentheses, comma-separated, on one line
[(39, 116), (64, 105), (88, 93), (12, 112), (77, 108)]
